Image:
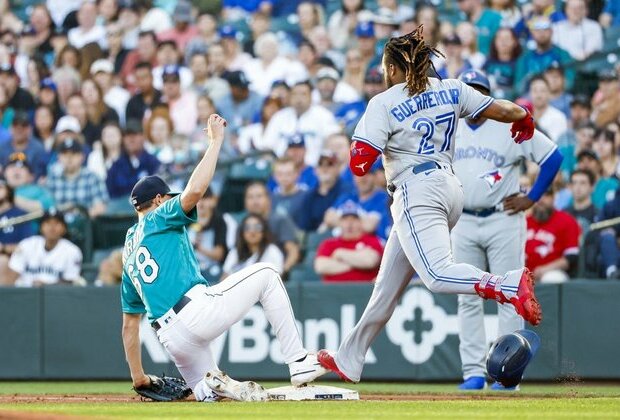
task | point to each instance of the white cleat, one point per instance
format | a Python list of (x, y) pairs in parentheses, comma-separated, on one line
[(224, 386), (306, 371)]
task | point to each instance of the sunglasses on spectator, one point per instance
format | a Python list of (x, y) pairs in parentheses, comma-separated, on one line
[(252, 227)]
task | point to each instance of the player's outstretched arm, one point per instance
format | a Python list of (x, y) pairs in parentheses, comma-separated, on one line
[(131, 344), (508, 112), (203, 174)]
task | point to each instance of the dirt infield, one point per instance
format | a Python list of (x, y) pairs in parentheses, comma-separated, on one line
[(115, 398)]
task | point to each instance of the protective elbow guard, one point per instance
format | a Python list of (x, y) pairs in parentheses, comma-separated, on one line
[(362, 157)]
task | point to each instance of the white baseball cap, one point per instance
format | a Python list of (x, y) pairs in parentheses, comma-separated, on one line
[(103, 65), (68, 123)]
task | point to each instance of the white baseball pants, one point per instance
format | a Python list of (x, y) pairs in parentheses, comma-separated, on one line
[(426, 207), (213, 310), (496, 243)]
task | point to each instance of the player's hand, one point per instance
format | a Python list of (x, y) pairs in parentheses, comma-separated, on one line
[(517, 203), (141, 380), (215, 128), (523, 129)]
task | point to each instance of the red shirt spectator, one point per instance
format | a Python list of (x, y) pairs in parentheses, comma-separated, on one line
[(552, 239), (353, 256)]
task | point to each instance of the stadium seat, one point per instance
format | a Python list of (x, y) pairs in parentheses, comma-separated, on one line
[(301, 273), (79, 230)]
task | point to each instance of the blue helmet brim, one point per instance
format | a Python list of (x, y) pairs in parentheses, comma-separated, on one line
[(532, 338)]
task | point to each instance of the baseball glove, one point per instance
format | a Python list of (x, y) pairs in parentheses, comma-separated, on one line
[(165, 388)]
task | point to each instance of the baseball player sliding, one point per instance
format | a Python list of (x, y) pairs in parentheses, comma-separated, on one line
[(491, 232), (413, 124), (161, 277)]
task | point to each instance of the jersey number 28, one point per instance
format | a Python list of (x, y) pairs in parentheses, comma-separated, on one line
[(146, 265), (427, 127)]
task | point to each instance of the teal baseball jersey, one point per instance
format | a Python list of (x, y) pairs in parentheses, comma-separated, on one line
[(159, 264)]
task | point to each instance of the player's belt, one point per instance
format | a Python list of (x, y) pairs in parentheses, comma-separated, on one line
[(176, 309), (422, 167), (481, 212)]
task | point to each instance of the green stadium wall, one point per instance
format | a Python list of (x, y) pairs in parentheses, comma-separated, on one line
[(74, 333)]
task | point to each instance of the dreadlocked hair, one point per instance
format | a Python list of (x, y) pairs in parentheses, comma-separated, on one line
[(413, 56)]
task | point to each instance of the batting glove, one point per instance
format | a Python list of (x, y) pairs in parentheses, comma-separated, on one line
[(523, 129)]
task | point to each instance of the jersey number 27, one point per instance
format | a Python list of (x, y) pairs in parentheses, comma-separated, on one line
[(427, 127)]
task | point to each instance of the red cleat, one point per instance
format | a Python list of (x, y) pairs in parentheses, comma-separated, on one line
[(525, 301), (326, 359)]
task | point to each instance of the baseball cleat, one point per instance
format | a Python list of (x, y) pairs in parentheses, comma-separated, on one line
[(224, 386), (525, 301), (473, 383), (499, 387), (306, 371), (326, 359)]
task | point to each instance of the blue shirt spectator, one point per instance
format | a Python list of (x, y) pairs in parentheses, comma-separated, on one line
[(22, 142), (611, 12), (11, 235), (241, 105)]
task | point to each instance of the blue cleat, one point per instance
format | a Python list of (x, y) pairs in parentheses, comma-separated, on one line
[(473, 383), (499, 387)]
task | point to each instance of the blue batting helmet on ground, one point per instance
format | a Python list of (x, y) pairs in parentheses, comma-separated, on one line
[(510, 355), (475, 78)]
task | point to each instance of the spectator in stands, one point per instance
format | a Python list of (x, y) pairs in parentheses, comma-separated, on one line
[(342, 23), (605, 187), (467, 33), (22, 141), (115, 97), (502, 62), (560, 98), (29, 196), (510, 12), (206, 24), (552, 243), (74, 184), (609, 251), (203, 83), (610, 15), (251, 136), (578, 35), (18, 97), (76, 108), (234, 56), (582, 209), (97, 111), (539, 8), (44, 123), (43, 29), (67, 81), (208, 237), (426, 14), (349, 114), (217, 60), (340, 145), (317, 200), (88, 30), (168, 56), (241, 105), (352, 256), (49, 97), (183, 30), (487, 22), (296, 151), (145, 52), (454, 63), (253, 245), (281, 226), (314, 121), (48, 258), (182, 104), (326, 83), (366, 42), (69, 56), (260, 23), (116, 53), (604, 147), (570, 148), (287, 196), (111, 269), (146, 97), (269, 65), (551, 120), (134, 163), (354, 72), (606, 101), (106, 151), (308, 57), (580, 110), (534, 62), (10, 236)]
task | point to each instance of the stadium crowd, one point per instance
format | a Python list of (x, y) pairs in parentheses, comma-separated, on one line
[(96, 94)]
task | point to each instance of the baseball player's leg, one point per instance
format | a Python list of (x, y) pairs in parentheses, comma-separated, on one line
[(394, 276), (227, 302), (472, 334), (423, 210), (506, 252)]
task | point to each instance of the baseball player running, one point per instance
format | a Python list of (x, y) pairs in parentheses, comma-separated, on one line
[(491, 232), (413, 124), (161, 278)]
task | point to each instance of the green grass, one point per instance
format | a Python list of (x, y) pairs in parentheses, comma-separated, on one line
[(572, 400)]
